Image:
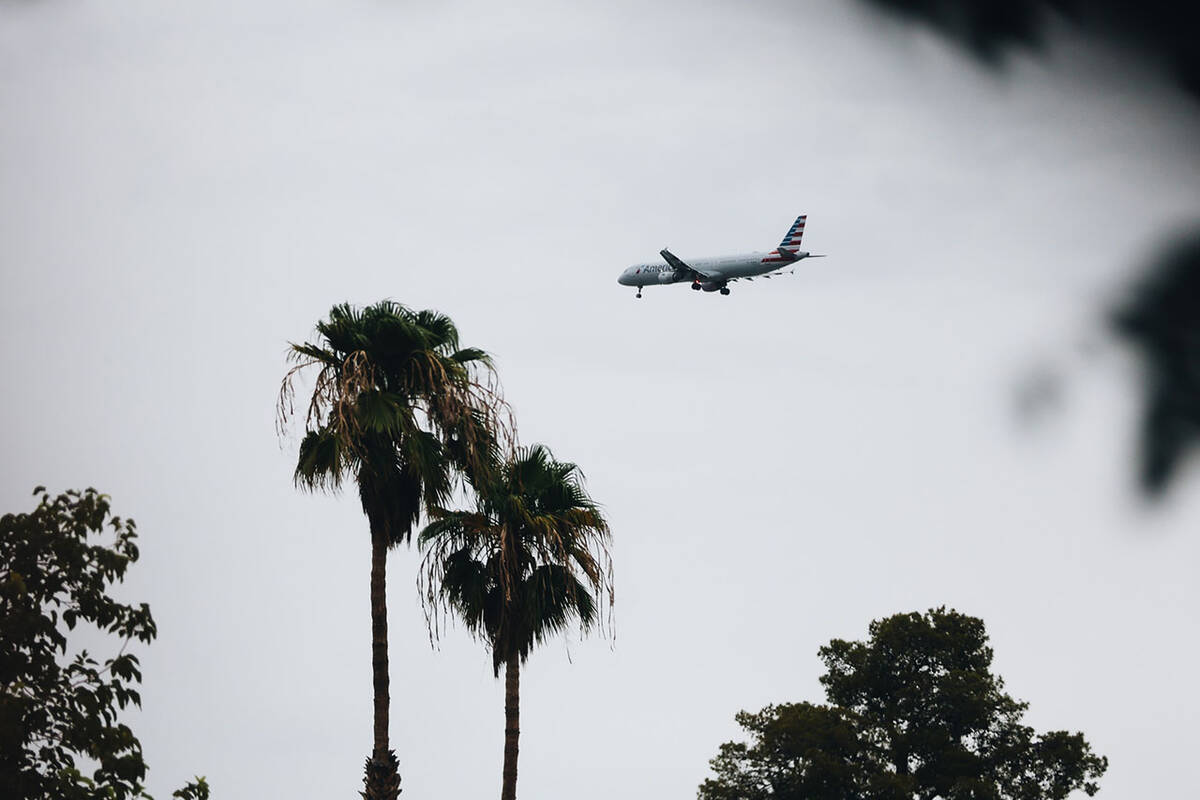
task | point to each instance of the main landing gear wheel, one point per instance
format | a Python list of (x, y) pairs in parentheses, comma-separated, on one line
[(724, 291), (696, 286)]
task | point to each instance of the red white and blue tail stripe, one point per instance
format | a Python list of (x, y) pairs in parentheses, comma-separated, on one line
[(792, 240), (790, 243)]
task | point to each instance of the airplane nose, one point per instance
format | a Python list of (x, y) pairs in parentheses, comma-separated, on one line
[(623, 278)]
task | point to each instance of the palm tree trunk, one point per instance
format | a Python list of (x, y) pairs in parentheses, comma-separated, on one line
[(382, 779), (379, 639), (512, 725)]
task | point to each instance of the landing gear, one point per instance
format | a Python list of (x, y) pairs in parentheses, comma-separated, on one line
[(724, 290), (639, 293), (696, 285)]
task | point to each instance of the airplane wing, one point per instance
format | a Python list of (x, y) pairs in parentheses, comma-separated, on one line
[(679, 265)]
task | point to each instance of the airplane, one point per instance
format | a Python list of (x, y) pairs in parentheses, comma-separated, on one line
[(713, 274)]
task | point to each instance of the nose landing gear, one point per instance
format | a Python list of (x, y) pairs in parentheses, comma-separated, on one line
[(639, 293)]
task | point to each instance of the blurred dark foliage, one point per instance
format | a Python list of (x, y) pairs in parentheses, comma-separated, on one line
[(1161, 320), (1161, 30), (1161, 316)]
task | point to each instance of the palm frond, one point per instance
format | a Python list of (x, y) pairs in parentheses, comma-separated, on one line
[(304, 353), (322, 461), (443, 335), (472, 355), (384, 414)]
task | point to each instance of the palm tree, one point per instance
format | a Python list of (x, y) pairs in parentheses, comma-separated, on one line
[(398, 408), (531, 558)]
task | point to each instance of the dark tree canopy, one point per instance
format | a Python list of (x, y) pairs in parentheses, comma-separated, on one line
[(58, 705), (914, 712)]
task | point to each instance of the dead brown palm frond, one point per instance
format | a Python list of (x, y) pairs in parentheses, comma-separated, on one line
[(302, 357), (285, 405), (342, 388)]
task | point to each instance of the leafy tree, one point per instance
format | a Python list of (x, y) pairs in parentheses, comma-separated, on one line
[(915, 712), (59, 706), (398, 408), (531, 558)]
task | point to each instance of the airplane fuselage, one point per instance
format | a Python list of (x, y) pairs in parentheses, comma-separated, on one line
[(718, 271)]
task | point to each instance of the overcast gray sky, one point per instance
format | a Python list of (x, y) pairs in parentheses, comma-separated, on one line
[(186, 187)]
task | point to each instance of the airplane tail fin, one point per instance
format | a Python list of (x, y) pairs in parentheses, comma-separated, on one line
[(788, 251), (791, 240)]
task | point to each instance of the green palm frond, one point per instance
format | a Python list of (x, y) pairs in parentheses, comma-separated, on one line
[(555, 597), (384, 414), (468, 589), (441, 330), (322, 461), (344, 331), (471, 355), (301, 353)]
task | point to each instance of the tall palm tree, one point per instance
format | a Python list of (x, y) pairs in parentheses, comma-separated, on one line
[(401, 410), (532, 557)]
